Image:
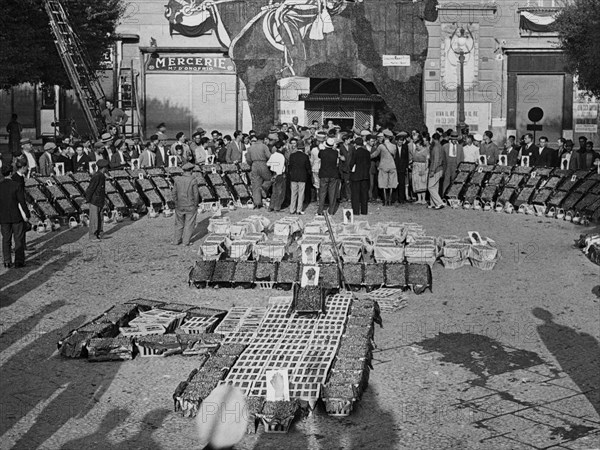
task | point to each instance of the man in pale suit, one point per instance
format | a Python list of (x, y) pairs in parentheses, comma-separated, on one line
[(235, 148), (147, 157)]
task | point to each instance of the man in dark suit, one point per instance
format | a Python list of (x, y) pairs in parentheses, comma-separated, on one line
[(402, 159), (545, 157), (162, 155), (344, 148), (529, 149), (95, 196), (13, 213), (360, 169), (300, 174)]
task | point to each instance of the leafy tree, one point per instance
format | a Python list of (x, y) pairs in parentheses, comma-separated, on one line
[(578, 25), (27, 50)]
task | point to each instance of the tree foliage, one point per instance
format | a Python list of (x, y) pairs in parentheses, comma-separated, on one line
[(27, 50), (578, 26)]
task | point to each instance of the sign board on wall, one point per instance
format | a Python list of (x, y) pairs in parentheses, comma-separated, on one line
[(396, 60), (287, 105), (585, 116), (190, 64), (445, 115)]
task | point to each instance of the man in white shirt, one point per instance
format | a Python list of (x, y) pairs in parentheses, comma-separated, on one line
[(315, 163), (28, 152), (276, 164), (471, 151)]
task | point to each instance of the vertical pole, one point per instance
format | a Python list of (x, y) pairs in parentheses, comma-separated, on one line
[(461, 93)]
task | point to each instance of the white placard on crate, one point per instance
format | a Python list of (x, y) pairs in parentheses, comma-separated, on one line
[(310, 252), (278, 385), (476, 238), (348, 216), (310, 276), (525, 161)]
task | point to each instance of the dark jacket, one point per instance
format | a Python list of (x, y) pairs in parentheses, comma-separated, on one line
[(533, 151), (20, 180), (360, 160), (185, 193), (512, 156), (95, 194), (401, 158), (66, 161), (115, 161), (299, 167), (329, 163), (545, 158), (83, 165), (11, 196)]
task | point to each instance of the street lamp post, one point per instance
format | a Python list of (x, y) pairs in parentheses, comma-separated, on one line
[(461, 43)]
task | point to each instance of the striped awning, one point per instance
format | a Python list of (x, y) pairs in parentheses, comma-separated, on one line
[(347, 98)]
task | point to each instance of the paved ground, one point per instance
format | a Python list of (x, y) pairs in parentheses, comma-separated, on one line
[(507, 359)]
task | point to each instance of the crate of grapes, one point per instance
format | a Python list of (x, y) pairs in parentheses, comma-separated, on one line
[(308, 299)]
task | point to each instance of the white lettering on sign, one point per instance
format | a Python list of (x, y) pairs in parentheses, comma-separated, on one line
[(396, 60), (190, 64)]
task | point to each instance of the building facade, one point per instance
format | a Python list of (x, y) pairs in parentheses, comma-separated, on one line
[(512, 65)]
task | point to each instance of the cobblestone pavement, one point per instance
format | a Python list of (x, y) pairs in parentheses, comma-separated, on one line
[(506, 359)]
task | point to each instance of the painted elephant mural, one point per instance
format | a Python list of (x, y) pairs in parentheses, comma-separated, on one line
[(316, 38)]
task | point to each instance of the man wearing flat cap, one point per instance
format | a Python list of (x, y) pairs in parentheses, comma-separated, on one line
[(186, 197), (46, 163), (95, 196)]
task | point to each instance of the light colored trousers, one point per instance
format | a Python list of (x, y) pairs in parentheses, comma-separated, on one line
[(433, 185), (185, 223), (297, 196), (96, 220)]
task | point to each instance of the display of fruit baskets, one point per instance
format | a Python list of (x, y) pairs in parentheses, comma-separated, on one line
[(571, 200), (461, 177), (160, 183), (157, 345), (533, 181), (308, 299), (278, 416), (155, 171), (497, 179), (541, 196), (488, 194), (553, 182), (119, 348), (265, 271), (478, 178), (119, 173), (206, 194), (202, 272), (516, 180), (522, 170), (125, 185), (144, 184), (288, 272), (110, 187), (55, 192), (395, 275), (557, 198), (353, 273), (419, 277), (117, 201), (586, 186), (329, 276), (455, 190), (223, 272), (215, 179), (72, 190), (46, 210), (466, 166), (374, 274), (35, 194), (471, 193), (524, 196)]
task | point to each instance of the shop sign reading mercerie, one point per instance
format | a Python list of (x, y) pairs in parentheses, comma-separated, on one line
[(396, 60), (188, 64)]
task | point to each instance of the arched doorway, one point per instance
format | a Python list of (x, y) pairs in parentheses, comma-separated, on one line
[(348, 102)]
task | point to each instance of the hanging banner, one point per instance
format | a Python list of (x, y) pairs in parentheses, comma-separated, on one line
[(537, 23)]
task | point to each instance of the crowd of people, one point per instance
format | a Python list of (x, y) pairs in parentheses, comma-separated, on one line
[(291, 165)]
